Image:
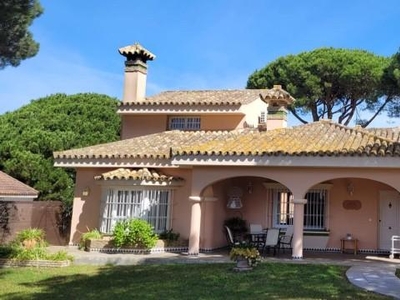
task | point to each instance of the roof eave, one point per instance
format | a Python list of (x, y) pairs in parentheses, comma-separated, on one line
[(111, 163), (306, 161)]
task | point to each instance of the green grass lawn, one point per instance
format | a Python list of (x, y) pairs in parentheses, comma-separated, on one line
[(180, 281)]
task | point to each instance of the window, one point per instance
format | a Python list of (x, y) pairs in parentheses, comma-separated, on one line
[(314, 209), (262, 119), (152, 205), (184, 123)]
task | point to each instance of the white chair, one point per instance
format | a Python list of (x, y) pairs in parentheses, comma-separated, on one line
[(272, 240), (285, 241), (229, 237), (256, 228)]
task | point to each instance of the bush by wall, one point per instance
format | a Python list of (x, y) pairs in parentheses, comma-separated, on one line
[(134, 233)]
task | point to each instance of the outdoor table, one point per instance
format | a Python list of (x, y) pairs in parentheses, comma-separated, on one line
[(353, 243)]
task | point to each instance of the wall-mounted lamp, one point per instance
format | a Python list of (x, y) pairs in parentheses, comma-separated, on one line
[(250, 187), (235, 198), (350, 189), (86, 191)]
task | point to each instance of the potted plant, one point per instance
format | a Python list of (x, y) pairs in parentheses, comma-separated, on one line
[(245, 255)]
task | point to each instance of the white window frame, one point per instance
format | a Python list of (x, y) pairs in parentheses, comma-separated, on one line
[(313, 219), (150, 204), (184, 123)]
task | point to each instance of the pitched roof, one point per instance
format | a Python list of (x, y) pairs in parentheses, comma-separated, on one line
[(213, 97), (10, 186), (323, 138), (392, 133), (203, 97), (155, 146)]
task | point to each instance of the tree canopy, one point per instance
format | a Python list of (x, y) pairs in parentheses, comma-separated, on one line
[(16, 41), (391, 84), (29, 135), (329, 83)]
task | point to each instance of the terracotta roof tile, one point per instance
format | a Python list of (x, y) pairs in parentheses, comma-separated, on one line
[(136, 50), (156, 145), (392, 133), (10, 186), (212, 97), (203, 97), (137, 174), (321, 138), (316, 139)]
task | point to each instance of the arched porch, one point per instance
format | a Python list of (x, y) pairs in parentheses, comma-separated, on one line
[(342, 213)]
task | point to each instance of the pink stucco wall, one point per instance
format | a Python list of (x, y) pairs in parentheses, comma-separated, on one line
[(86, 209), (257, 208), (134, 126), (138, 125), (363, 223)]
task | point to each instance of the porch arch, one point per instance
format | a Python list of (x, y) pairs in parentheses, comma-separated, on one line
[(297, 180)]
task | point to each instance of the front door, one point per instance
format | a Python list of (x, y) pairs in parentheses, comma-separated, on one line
[(389, 218)]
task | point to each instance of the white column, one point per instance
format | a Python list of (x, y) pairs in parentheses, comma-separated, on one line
[(298, 226), (195, 223)]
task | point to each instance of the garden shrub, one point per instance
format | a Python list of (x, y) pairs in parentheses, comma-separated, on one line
[(30, 238), (169, 235), (134, 233), (93, 234), (30, 244), (60, 256)]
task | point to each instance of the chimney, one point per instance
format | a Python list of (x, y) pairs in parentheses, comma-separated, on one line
[(278, 100), (135, 72)]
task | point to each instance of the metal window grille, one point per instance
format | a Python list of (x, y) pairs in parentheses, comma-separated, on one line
[(263, 118), (184, 123), (150, 205), (314, 209)]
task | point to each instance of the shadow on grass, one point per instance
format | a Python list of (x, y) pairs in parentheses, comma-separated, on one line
[(191, 281)]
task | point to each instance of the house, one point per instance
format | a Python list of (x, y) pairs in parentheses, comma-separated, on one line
[(16, 202), (188, 160), (19, 211), (12, 189)]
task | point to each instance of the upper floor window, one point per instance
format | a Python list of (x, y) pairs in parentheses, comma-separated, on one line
[(263, 117), (184, 123)]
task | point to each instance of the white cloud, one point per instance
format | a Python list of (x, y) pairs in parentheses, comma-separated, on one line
[(50, 73)]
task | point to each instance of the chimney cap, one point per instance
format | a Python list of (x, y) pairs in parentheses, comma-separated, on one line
[(277, 95), (136, 51)]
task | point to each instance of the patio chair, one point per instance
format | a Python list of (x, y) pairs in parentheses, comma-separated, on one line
[(256, 228), (229, 237), (285, 241), (272, 240)]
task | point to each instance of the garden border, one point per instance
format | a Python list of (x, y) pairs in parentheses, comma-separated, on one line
[(8, 263)]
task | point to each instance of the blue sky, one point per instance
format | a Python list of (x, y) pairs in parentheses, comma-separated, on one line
[(198, 44)]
